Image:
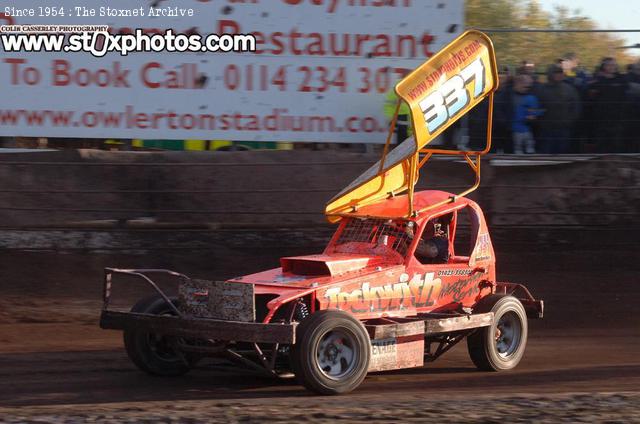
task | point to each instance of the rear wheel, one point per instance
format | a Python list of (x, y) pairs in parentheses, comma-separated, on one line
[(151, 352), (500, 346), (332, 352)]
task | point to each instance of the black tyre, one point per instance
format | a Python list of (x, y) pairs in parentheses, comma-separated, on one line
[(332, 352), (150, 352), (500, 346)]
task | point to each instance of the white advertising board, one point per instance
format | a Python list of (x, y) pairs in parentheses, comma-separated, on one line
[(321, 72)]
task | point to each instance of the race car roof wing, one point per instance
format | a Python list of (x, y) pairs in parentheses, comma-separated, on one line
[(438, 93)]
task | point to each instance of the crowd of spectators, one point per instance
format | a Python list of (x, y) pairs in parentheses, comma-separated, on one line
[(566, 110)]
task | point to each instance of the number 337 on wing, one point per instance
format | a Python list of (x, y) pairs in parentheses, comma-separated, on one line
[(449, 84), (453, 96)]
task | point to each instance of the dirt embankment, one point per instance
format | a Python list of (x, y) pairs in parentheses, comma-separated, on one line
[(275, 188)]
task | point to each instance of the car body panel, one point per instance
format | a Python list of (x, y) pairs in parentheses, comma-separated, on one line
[(372, 280)]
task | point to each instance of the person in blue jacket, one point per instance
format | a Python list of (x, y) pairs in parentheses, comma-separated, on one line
[(525, 110)]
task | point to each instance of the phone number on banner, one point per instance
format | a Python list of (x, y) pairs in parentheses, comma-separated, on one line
[(319, 79)]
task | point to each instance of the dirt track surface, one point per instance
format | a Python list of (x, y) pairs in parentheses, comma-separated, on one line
[(563, 376), (577, 407), (582, 361)]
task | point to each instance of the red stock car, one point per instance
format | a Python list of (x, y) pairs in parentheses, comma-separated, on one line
[(369, 302), (404, 278)]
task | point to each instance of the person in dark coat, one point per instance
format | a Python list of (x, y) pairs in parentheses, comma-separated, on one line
[(503, 113), (608, 96), (579, 78), (574, 74), (560, 103), (632, 127)]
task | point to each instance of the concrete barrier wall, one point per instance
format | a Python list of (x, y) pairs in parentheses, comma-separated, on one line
[(290, 188)]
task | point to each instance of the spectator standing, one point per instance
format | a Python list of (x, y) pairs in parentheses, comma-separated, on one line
[(574, 75), (579, 79), (608, 98), (503, 113), (561, 104), (527, 67), (632, 129), (525, 110), (477, 125), (403, 122)]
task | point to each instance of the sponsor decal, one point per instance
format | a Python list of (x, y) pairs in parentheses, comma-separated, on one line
[(384, 354), (419, 292), (196, 296), (450, 272), (483, 251), (384, 347), (458, 290)]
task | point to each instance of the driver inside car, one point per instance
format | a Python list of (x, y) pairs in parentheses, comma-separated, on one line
[(433, 250)]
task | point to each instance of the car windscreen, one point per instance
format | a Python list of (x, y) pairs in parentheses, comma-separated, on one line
[(373, 236)]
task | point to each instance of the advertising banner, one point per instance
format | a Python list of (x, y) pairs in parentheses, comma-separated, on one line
[(320, 70)]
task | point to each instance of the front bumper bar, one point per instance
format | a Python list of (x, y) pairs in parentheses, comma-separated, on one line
[(183, 324), (199, 328)]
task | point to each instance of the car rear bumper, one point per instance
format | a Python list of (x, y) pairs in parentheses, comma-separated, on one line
[(532, 306)]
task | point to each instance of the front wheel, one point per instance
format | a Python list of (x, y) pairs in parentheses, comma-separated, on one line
[(500, 346), (151, 352), (332, 352)]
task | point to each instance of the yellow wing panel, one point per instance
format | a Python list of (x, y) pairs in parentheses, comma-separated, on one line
[(373, 185), (449, 84), (438, 93)]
